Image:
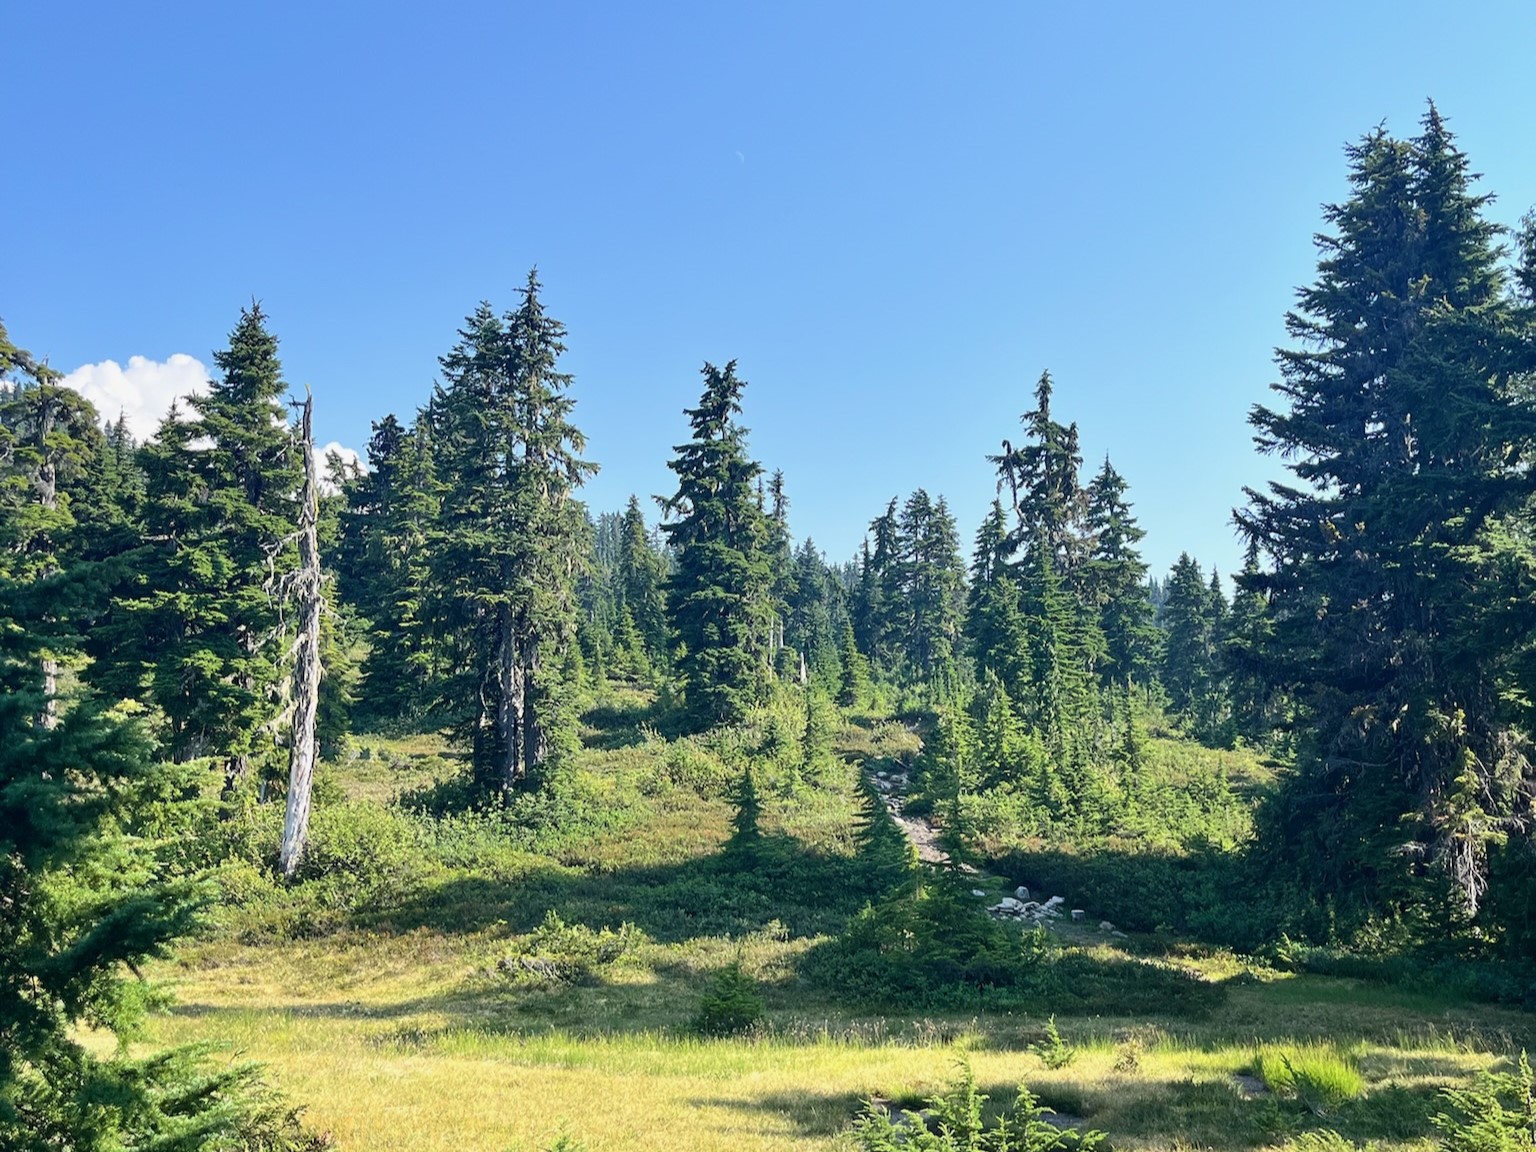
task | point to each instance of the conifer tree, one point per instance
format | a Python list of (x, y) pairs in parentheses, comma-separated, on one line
[(1403, 420), (853, 687), (719, 594), (994, 621), (199, 634), (1042, 477), (1192, 656), (932, 588), (642, 572), (49, 447), (510, 536), (1115, 581), (384, 569)]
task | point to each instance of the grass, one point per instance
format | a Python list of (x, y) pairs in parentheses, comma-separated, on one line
[(402, 1021), (1321, 1076)]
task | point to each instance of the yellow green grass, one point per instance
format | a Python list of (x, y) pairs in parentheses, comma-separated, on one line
[(403, 1030)]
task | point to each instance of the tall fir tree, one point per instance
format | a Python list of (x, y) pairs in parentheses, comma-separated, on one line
[(719, 594), (199, 631), (1115, 581), (1409, 439), (642, 573), (509, 538)]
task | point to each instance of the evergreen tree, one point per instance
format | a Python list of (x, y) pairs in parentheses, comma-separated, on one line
[(82, 899), (1192, 652), (1409, 440), (1249, 635), (199, 633), (932, 589), (746, 834), (853, 687), (1042, 477), (385, 573), (816, 614), (719, 595), (994, 621), (1115, 581), (49, 447), (642, 572), (510, 536)]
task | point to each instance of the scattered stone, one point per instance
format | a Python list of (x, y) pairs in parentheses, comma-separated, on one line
[(1250, 1087), (1077, 914), (1063, 1120)]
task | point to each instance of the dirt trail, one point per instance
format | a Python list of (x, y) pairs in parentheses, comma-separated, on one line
[(892, 787)]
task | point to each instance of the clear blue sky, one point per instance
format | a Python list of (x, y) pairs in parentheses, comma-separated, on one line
[(893, 215)]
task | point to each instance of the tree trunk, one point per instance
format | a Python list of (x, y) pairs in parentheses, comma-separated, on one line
[(535, 740), (302, 747), (48, 495), (510, 696)]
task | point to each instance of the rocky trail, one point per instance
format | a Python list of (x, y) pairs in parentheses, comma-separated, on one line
[(1052, 913)]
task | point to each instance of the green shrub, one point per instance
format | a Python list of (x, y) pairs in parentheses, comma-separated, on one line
[(1054, 1052), (730, 1005), (1497, 1114), (959, 1125), (361, 850), (932, 948), (559, 953)]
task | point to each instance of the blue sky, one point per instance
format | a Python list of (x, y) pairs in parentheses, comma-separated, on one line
[(894, 216)]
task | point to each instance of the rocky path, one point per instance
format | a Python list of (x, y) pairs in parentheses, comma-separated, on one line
[(892, 787), (1051, 913)]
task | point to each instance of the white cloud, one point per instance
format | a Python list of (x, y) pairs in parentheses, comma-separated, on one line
[(349, 457), (142, 392)]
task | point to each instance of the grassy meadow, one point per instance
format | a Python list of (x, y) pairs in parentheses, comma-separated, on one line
[(413, 992)]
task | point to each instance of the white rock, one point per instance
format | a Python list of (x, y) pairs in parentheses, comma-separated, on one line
[(1021, 892), (977, 892), (1120, 935), (1077, 914), (1055, 901), (1106, 926)]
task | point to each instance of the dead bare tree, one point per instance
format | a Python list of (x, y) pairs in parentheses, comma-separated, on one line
[(308, 589)]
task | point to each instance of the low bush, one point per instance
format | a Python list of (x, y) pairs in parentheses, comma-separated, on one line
[(1496, 1114), (930, 948), (955, 1121), (730, 1005), (559, 953)]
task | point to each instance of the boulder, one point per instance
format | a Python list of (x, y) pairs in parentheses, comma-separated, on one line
[(1021, 892), (977, 892), (1077, 914), (1106, 926)]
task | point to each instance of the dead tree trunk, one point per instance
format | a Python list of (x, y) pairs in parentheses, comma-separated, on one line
[(306, 668)]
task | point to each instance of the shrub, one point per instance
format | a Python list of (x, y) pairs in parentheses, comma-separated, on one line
[(730, 1005), (1054, 1052), (1497, 1114), (932, 947), (961, 1125), (559, 953)]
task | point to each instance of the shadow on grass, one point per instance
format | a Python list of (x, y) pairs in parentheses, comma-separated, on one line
[(1204, 1114), (807, 892)]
